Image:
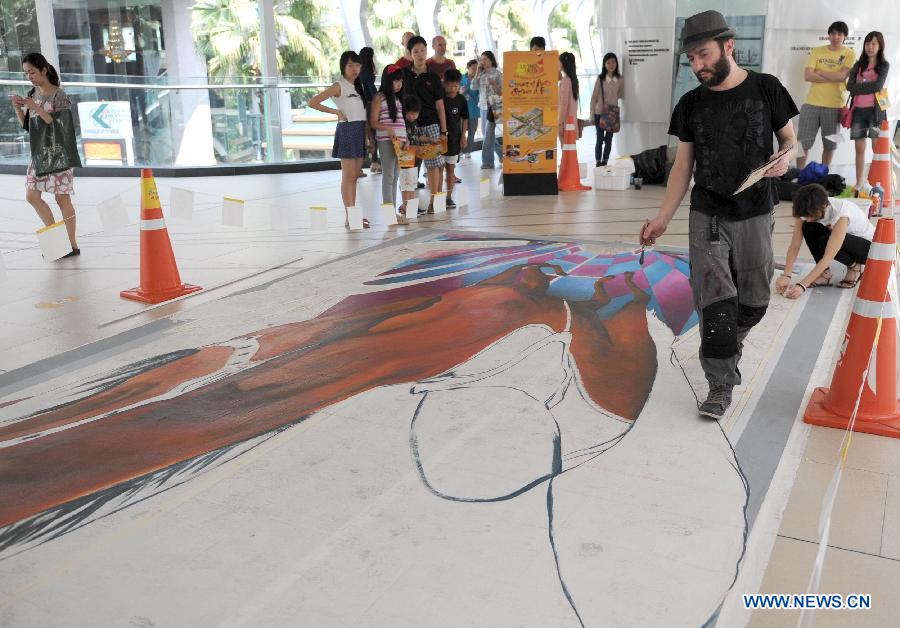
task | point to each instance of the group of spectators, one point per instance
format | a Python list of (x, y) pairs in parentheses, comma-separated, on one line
[(832, 72), (425, 100)]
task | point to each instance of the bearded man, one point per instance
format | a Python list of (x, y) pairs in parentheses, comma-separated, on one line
[(724, 129)]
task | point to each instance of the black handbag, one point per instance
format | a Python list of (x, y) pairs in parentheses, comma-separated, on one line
[(53, 146)]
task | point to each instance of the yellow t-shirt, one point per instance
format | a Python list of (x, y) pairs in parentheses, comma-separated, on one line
[(829, 94)]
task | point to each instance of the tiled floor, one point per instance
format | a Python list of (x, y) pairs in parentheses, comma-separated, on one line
[(51, 308)]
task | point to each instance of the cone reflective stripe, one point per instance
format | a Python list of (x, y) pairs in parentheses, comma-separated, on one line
[(160, 280), (569, 177), (880, 168), (867, 367)]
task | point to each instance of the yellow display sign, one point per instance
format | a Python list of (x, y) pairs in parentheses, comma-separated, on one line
[(530, 111)]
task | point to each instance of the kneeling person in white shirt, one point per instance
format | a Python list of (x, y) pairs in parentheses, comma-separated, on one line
[(834, 229)]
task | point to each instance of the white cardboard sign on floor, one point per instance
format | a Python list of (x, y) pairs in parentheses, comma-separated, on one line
[(318, 218), (440, 203), (412, 209), (113, 215), (355, 217), (182, 204), (484, 188), (388, 214), (460, 196), (279, 219), (54, 241), (232, 212)]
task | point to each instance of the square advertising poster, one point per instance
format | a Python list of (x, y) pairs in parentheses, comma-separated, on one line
[(530, 111)]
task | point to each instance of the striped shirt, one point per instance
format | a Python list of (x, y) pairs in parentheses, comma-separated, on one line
[(384, 117)]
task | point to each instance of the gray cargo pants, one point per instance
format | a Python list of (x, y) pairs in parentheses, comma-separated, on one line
[(731, 274)]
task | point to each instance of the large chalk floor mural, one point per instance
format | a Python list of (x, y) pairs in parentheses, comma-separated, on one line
[(514, 403)]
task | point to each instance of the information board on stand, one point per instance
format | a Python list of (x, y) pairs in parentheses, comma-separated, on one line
[(530, 122)]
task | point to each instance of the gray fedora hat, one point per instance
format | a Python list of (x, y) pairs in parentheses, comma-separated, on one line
[(702, 27)]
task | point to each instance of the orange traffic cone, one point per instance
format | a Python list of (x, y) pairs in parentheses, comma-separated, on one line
[(873, 322), (569, 179), (880, 168), (159, 272)]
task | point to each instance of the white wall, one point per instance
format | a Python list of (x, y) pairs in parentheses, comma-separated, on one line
[(790, 27)]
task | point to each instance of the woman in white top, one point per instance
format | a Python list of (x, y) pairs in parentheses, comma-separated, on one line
[(834, 229), (350, 134)]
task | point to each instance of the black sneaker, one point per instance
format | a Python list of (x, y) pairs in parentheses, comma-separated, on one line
[(420, 185), (451, 204), (717, 402), (72, 253)]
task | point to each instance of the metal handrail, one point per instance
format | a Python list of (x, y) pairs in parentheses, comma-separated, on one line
[(177, 87)]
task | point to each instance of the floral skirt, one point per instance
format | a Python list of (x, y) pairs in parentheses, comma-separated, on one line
[(56, 183)]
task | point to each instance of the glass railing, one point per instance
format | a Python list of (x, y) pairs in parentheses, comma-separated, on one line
[(150, 122), (147, 121)]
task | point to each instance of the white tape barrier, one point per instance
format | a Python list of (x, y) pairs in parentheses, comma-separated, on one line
[(318, 218), (412, 208), (440, 203), (113, 215), (355, 217), (388, 214), (460, 196), (54, 241), (182, 204), (232, 212)]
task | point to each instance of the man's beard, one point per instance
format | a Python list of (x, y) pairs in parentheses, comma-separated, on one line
[(720, 71)]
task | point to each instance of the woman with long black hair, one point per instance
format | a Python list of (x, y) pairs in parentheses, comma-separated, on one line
[(867, 76), (367, 78), (386, 118), (44, 100), (350, 134), (568, 92), (609, 88)]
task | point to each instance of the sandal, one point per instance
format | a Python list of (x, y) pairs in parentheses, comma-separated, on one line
[(851, 278), (822, 280)]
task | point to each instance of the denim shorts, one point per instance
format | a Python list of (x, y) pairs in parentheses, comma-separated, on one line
[(864, 124)]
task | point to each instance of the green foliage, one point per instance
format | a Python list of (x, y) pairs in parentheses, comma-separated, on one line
[(227, 33), (387, 21), (512, 16)]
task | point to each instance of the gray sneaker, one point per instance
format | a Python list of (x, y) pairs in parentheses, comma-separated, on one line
[(717, 402)]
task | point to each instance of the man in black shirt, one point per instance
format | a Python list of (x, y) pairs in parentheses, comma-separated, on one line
[(724, 129), (419, 81)]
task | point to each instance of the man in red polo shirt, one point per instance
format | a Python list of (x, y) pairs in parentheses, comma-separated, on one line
[(406, 60), (439, 63)]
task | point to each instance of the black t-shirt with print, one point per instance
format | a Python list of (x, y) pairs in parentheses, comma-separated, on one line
[(732, 133), (455, 109), (427, 86)]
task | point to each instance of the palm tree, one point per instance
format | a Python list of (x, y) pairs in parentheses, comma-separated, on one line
[(388, 20), (227, 33)]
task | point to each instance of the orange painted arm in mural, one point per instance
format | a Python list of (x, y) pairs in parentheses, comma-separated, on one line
[(300, 368)]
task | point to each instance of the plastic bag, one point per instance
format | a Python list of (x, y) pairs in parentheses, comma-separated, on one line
[(53, 147)]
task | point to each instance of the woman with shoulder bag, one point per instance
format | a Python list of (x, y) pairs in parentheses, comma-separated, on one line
[(490, 83), (45, 114), (866, 78), (608, 89)]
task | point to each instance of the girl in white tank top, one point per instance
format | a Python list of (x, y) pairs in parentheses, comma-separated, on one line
[(350, 133)]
